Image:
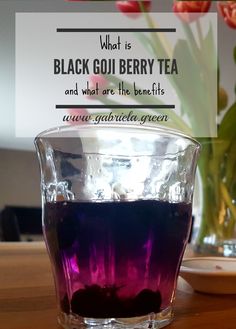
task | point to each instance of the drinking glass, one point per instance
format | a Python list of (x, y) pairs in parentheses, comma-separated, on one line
[(117, 204)]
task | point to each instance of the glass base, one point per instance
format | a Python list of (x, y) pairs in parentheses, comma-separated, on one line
[(150, 321), (226, 248)]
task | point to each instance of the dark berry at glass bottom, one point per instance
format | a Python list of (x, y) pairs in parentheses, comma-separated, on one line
[(116, 259)]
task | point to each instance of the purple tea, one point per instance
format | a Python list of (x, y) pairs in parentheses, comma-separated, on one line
[(116, 259)]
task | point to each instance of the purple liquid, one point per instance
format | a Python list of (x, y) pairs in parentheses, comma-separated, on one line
[(116, 259)]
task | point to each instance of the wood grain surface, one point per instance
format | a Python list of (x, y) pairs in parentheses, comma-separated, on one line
[(27, 298)]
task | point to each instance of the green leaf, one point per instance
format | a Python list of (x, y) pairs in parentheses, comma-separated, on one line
[(191, 88), (227, 129), (146, 43), (178, 122), (235, 54), (208, 51)]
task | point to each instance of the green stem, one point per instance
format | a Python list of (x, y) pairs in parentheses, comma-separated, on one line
[(197, 53), (200, 34), (227, 199), (214, 164), (167, 49), (207, 225)]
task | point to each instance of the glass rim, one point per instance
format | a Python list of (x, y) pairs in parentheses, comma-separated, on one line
[(88, 126)]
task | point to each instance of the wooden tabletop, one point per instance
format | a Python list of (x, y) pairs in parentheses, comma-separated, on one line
[(27, 299)]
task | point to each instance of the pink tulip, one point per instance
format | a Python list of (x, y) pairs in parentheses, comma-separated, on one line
[(227, 9), (97, 81), (185, 9), (132, 8)]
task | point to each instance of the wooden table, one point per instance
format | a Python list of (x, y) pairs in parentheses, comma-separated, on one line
[(27, 299)]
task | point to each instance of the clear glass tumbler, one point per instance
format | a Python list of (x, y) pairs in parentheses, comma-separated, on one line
[(117, 205)]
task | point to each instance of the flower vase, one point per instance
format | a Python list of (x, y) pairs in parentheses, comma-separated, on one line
[(217, 166)]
